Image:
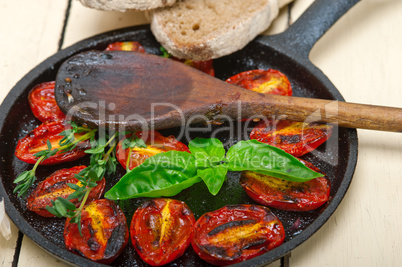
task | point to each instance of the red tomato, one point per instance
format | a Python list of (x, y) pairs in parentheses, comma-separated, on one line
[(296, 138), (286, 195), (156, 143), (43, 104), (56, 186), (126, 46), (263, 81), (36, 141), (161, 230), (236, 233), (104, 232), (204, 66)]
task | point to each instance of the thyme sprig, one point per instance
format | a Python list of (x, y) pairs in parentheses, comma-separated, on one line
[(102, 161), (26, 179), (69, 141)]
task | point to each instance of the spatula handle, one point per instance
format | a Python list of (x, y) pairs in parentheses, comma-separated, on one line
[(344, 114)]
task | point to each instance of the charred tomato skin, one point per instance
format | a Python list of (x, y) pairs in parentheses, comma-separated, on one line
[(236, 233), (295, 138), (156, 143), (161, 230), (263, 81), (54, 186), (36, 141), (287, 195), (126, 46), (43, 104), (104, 232)]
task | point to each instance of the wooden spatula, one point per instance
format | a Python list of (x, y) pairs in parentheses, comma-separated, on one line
[(133, 91)]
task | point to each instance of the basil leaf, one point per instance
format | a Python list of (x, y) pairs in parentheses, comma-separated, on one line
[(207, 151), (255, 156), (214, 177), (164, 174)]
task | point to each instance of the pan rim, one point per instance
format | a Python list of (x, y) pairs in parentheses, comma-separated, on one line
[(70, 258)]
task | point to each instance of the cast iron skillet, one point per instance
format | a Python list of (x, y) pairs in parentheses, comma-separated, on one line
[(287, 52)]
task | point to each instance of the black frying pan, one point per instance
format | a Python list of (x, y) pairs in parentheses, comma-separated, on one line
[(287, 52)]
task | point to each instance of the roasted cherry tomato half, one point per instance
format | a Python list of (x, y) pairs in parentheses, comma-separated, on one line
[(36, 141), (56, 186), (156, 143), (126, 46), (161, 230), (236, 233), (296, 138), (104, 232), (43, 104), (204, 66), (263, 81), (286, 195)]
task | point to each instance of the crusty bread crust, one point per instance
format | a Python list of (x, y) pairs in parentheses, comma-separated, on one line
[(123, 5), (207, 29)]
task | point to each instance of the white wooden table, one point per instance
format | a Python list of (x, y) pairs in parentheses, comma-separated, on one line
[(361, 54)]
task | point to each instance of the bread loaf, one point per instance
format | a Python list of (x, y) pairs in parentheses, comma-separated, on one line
[(123, 5), (207, 29)]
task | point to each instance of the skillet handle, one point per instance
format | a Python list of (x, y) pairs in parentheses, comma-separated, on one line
[(300, 37)]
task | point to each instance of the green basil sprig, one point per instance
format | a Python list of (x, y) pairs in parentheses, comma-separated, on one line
[(167, 174), (253, 155), (210, 161), (164, 174)]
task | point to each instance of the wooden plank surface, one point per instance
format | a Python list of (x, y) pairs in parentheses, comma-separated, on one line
[(361, 56), (7, 247), (30, 33)]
